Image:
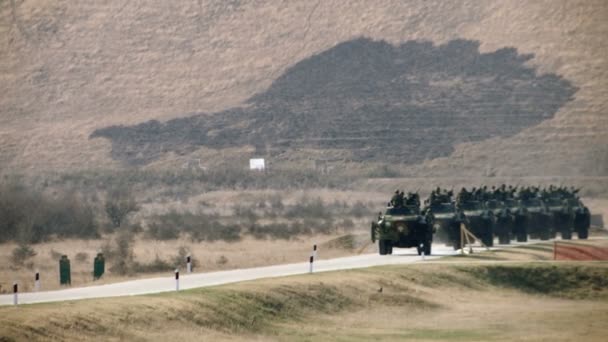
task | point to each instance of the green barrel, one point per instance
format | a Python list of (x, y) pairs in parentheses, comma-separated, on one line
[(64, 271), (99, 266)]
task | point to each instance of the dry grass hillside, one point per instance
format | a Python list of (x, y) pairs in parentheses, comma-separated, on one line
[(69, 68)]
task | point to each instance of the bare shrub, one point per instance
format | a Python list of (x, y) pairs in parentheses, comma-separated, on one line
[(276, 202), (158, 265), (119, 204), (347, 224), (21, 254), (222, 260), (30, 216), (359, 210), (122, 254), (307, 208), (200, 227)]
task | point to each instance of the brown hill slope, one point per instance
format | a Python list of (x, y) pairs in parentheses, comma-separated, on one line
[(368, 101), (71, 67)]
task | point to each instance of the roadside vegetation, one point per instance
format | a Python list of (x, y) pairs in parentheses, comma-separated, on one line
[(30, 215), (119, 221)]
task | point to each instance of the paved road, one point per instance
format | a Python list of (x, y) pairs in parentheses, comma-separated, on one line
[(165, 284)]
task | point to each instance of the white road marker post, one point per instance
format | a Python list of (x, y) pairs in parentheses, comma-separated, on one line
[(176, 279), (189, 264), (314, 251), (37, 281), (311, 262), (422, 249), (15, 293)]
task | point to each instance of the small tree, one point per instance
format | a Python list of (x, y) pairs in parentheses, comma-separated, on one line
[(119, 204)]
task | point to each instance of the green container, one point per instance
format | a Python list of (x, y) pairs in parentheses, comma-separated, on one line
[(65, 277), (99, 266)]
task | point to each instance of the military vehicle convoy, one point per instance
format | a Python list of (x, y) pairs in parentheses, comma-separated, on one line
[(446, 217), (403, 225), (519, 217), (539, 221), (582, 218), (561, 216), (479, 220), (446, 222), (503, 223), (503, 212)]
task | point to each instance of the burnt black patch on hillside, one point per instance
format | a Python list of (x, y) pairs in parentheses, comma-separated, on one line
[(374, 100)]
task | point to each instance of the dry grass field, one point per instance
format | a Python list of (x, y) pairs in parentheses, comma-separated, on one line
[(508, 300)]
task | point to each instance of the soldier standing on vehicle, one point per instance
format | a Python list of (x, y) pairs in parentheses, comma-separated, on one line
[(395, 199)]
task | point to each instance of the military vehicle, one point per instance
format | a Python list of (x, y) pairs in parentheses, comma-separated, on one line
[(582, 217), (538, 220), (446, 222), (479, 220), (519, 215), (504, 220), (562, 216), (403, 227)]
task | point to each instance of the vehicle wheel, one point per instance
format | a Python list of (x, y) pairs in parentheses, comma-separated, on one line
[(382, 247), (419, 250), (522, 237), (583, 233), (389, 247), (545, 235), (566, 234), (521, 234), (456, 245), (488, 238), (504, 239), (455, 236), (427, 248)]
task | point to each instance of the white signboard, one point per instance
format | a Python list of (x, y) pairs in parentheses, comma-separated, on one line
[(257, 164)]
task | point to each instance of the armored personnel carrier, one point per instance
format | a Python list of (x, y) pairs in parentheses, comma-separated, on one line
[(539, 219), (519, 216), (403, 227), (562, 216), (446, 222), (504, 220), (582, 217), (479, 220)]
